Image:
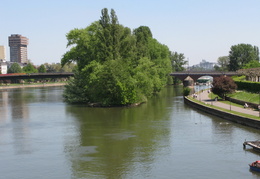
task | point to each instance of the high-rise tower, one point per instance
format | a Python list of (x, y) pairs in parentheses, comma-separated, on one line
[(18, 48)]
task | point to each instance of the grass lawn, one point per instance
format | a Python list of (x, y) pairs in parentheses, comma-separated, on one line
[(246, 96), (242, 95), (226, 110)]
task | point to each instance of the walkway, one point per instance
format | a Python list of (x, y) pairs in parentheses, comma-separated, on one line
[(203, 96)]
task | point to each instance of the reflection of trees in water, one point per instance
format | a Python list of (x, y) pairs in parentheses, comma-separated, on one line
[(113, 142), (3, 106)]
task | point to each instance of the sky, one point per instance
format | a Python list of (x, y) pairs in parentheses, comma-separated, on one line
[(200, 29)]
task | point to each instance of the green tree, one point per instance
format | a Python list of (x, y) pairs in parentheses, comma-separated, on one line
[(178, 62), (223, 85), (110, 69), (42, 69), (14, 68), (142, 34), (252, 64), (29, 68), (223, 63), (242, 54)]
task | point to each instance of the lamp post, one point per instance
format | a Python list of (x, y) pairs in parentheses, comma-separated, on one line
[(211, 97), (230, 103), (259, 104)]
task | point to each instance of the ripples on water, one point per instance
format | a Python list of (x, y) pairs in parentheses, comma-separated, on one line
[(43, 137)]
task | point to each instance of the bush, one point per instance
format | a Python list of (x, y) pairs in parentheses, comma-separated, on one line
[(186, 91)]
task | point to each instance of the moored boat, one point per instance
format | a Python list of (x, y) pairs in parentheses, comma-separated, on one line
[(255, 166)]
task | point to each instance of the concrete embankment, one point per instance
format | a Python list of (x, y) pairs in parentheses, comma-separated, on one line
[(225, 115), (33, 85)]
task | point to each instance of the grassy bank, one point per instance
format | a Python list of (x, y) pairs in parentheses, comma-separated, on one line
[(225, 110), (246, 96)]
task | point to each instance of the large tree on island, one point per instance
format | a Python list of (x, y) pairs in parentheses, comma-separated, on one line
[(112, 68), (242, 54)]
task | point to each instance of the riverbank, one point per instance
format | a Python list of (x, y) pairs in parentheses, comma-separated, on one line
[(247, 117), (31, 85)]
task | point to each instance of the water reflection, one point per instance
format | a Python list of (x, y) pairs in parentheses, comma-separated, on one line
[(4, 106), (112, 141), (160, 139)]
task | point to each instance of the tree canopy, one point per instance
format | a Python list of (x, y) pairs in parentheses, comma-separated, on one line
[(223, 63), (42, 69), (115, 66), (223, 85), (15, 68), (29, 68), (242, 54)]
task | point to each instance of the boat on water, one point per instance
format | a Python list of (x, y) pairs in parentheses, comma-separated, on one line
[(255, 166)]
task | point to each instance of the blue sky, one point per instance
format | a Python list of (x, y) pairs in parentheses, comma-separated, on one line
[(201, 29)]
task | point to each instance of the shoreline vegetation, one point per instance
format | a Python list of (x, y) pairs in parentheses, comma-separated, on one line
[(116, 66)]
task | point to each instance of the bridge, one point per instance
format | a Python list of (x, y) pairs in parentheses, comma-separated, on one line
[(12, 76), (197, 74), (181, 75)]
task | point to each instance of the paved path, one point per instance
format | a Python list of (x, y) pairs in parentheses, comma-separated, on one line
[(203, 96)]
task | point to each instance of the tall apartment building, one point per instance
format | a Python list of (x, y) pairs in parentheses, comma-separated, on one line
[(18, 48)]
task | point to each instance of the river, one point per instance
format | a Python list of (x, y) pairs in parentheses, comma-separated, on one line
[(42, 137)]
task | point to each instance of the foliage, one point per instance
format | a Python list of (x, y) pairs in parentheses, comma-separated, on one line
[(114, 65), (248, 86), (242, 54), (178, 61), (14, 68), (252, 64), (223, 85), (223, 63), (186, 91), (29, 68), (42, 69), (57, 67)]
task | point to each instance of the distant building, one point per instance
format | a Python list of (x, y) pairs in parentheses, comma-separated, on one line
[(207, 65), (3, 67), (18, 48), (2, 52), (3, 64), (204, 65)]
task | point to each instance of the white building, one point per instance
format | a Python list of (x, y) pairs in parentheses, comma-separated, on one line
[(3, 64), (3, 67)]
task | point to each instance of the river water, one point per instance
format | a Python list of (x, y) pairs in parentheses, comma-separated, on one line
[(42, 137)]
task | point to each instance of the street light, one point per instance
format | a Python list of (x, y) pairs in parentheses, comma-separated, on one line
[(259, 104), (230, 103)]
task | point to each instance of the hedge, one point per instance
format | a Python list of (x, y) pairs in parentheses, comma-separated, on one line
[(249, 86)]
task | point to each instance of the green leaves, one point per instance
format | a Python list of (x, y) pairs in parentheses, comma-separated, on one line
[(30, 69), (242, 54), (115, 67), (15, 68)]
